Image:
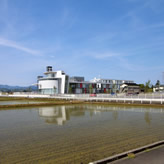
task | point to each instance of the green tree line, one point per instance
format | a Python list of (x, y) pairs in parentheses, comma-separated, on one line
[(148, 86)]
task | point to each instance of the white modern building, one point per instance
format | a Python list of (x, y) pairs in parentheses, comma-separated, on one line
[(57, 82), (53, 82)]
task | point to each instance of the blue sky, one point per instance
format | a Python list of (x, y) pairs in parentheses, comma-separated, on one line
[(116, 39)]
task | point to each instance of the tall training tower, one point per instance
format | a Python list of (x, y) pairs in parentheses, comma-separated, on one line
[(54, 82), (163, 77)]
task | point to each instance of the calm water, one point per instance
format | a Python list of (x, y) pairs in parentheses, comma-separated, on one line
[(76, 134)]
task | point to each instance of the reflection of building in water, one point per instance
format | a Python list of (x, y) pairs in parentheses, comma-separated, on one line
[(115, 115), (56, 115), (148, 118), (101, 108), (60, 114)]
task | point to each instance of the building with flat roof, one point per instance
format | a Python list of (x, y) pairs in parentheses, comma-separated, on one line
[(54, 82), (96, 85), (59, 83)]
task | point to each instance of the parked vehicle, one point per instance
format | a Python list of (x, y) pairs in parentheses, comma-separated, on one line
[(93, 95)]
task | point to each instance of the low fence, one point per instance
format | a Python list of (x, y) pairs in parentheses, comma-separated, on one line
[(139, 96), (119, 98)]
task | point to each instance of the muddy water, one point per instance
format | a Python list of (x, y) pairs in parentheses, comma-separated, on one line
[(76, 134)]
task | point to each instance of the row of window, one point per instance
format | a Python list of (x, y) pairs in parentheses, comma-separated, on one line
[(98, 86), (115, 81), (87, 90)]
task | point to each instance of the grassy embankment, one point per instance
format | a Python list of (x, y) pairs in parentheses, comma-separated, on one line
[(39, 102), (51, 102)]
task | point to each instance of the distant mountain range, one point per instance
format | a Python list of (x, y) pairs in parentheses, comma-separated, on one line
[(8, 88)]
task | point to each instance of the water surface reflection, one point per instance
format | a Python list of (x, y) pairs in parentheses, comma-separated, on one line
[(61, 114), (88, 132)]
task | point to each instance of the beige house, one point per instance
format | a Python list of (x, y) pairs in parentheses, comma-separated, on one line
[(130, 88)]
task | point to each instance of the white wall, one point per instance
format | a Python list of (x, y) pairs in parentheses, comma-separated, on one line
[(63, 77), (47, 84), (59, 83)]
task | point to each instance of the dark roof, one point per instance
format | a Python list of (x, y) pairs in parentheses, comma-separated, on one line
[(131, 84)]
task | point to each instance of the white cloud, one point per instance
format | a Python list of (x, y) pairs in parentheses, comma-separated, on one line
[(12, 44)]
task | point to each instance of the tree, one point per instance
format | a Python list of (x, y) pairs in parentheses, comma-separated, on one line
[(142, 86), (113, 88), (70, 89), (55, 89), (157, 83), (90, 88), (148, 86)]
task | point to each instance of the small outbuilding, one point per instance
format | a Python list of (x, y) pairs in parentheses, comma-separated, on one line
[(130, 88), (158, 88)]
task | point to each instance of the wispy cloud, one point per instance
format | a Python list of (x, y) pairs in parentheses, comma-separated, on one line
[(104, 36), (97, 54), (67, 18), (155, 6), (106, 55), (12, 44), (121, 59)]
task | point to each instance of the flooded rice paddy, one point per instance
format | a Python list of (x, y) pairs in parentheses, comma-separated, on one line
[(76, 134)]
